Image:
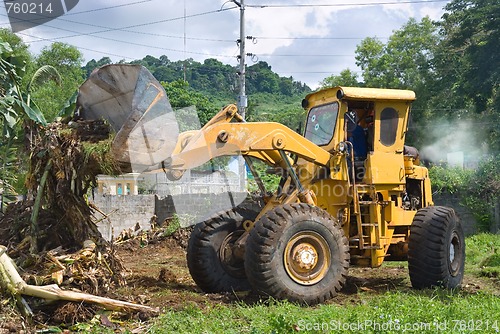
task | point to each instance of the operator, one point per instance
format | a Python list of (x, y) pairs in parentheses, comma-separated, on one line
[(360, 147), (358, 139), (359, 144)]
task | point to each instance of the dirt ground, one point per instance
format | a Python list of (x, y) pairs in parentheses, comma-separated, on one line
[(157, 276)]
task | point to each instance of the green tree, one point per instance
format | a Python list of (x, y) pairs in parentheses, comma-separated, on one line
[(370, 57), (346, 78), (471, 30), (468, 63), (261, 78), (68, 60), (220, 80), (406, 61), (476, 189), (286, 86), (182, 96), (42, 76), (20, 52), (93, 64)]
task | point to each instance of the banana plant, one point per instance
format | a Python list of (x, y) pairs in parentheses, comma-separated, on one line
[(16, 108), (15, 103)]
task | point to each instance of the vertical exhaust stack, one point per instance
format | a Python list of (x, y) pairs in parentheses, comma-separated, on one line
[(138, 110)]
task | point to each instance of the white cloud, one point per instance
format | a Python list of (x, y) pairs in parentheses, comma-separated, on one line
[(434, 13), (214, 35)]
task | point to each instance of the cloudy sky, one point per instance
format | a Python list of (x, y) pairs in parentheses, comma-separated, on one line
[(306, 39)]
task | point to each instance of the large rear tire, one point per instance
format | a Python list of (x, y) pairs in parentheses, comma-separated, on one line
[(210, 257), (436, 249), (297, 252)]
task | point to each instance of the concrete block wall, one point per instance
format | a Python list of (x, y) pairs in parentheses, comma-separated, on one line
[(195, 208), (192, 182), (124, 213)]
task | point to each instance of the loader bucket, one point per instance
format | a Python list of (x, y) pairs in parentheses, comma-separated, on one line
[(137, 108)]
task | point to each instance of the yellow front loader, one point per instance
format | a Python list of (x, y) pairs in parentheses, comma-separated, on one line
[(351, 193)]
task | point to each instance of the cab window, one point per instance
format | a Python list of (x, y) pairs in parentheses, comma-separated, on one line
[(321, 123), (388, 126)]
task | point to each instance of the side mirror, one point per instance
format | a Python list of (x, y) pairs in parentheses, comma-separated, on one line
[(351, 120)]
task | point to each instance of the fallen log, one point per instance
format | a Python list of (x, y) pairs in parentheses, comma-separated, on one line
[(18, 286)]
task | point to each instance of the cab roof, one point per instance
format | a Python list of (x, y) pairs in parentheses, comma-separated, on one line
[(361, 93)]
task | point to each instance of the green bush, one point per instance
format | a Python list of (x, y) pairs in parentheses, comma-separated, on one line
[(477, 189), (270, 181)]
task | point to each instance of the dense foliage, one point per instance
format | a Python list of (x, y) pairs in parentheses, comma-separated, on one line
[(214, 78), (19, 114), (477, 190), (452, 65), (68, 61)]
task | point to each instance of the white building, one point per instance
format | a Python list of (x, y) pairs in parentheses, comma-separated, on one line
[(126, 184)]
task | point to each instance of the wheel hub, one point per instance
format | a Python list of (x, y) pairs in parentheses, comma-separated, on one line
[(454, 254), (305, 256), (232, 263)]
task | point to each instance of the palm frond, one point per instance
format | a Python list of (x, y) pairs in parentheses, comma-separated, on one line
[(42, 75)]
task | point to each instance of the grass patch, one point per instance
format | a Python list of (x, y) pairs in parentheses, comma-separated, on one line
[(427, 311), (178, 221), (483, 255)]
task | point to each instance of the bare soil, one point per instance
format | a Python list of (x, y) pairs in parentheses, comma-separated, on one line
[(158, 275)]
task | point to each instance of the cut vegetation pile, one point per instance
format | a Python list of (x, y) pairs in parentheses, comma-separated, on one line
[(65, 160), (52, 235)]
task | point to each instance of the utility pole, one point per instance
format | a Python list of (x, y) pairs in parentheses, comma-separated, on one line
[(242, 98), (184, 63)]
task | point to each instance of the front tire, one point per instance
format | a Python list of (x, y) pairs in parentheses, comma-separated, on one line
[(210, 260), (297, 252), (436, 249)]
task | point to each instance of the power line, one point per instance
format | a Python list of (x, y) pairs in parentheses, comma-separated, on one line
[(346, 4), (148, 46), (318, 72), (83, 48), (43, 17), (106, 8), (78, 34), (103, 8), (311, 38), (107, 29), (124, 29), (108, 53), (301, 55), (138, 33)]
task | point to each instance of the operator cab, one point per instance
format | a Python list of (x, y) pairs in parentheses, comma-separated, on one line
[(372, 122)]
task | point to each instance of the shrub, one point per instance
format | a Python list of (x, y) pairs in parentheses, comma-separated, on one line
[(477, 189)]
